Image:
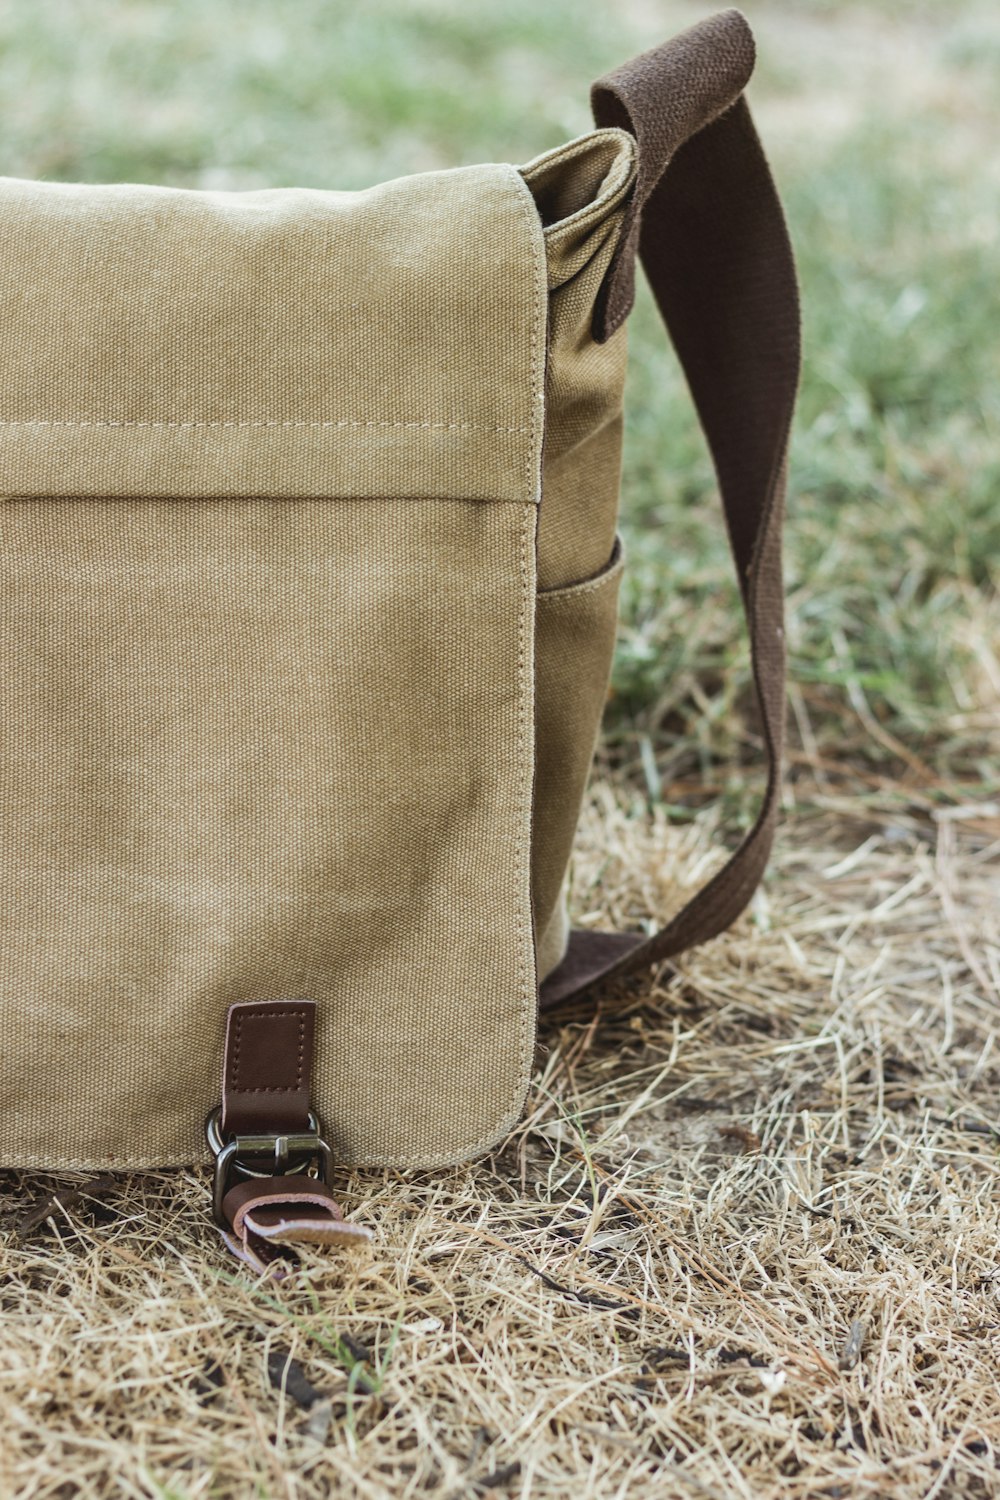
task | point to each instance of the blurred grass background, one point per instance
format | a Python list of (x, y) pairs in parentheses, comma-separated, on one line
[(881, 121)]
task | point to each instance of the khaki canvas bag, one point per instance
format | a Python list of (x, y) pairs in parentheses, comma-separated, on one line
[(309, 588)]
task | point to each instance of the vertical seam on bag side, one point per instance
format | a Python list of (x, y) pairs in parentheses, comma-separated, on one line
[(533, 224), (525, 680)]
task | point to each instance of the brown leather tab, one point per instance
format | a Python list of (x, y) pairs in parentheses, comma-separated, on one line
[(270, 1215), (267, 1071)]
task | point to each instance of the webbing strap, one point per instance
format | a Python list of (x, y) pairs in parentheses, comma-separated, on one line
[(709, 230)]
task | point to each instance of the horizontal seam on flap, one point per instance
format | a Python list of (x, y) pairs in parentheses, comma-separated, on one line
[(435, 426)]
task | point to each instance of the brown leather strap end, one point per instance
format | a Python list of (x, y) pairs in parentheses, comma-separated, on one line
[(590, 958), (268, 1066), (269, 1216)]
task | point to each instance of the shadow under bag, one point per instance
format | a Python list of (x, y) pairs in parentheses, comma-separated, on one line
[(309, 595)]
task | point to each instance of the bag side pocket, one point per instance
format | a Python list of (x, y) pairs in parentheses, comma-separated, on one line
[(574, 643)]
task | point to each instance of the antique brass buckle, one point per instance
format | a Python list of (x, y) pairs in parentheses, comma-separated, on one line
[(274, 1154)]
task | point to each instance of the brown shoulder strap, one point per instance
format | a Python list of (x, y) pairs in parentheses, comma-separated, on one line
[(707, 224)]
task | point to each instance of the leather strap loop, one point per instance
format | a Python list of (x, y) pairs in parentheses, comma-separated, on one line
[(709, 229), (266, 1084), (269, 1216)]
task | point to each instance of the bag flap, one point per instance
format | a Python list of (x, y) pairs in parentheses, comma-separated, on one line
[(165, 342)]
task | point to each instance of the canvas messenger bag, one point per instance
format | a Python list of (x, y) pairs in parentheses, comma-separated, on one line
[(309, 587)]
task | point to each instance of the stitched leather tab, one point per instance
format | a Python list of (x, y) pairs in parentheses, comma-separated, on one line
[(267, 1071)]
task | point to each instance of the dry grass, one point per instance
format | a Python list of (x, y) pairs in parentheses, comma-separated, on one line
[(744, 1242)]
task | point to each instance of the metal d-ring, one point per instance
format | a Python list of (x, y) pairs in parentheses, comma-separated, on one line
[(290, 1153)]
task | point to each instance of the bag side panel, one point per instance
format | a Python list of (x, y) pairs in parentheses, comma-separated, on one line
[(582, 191), (575, 635)]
